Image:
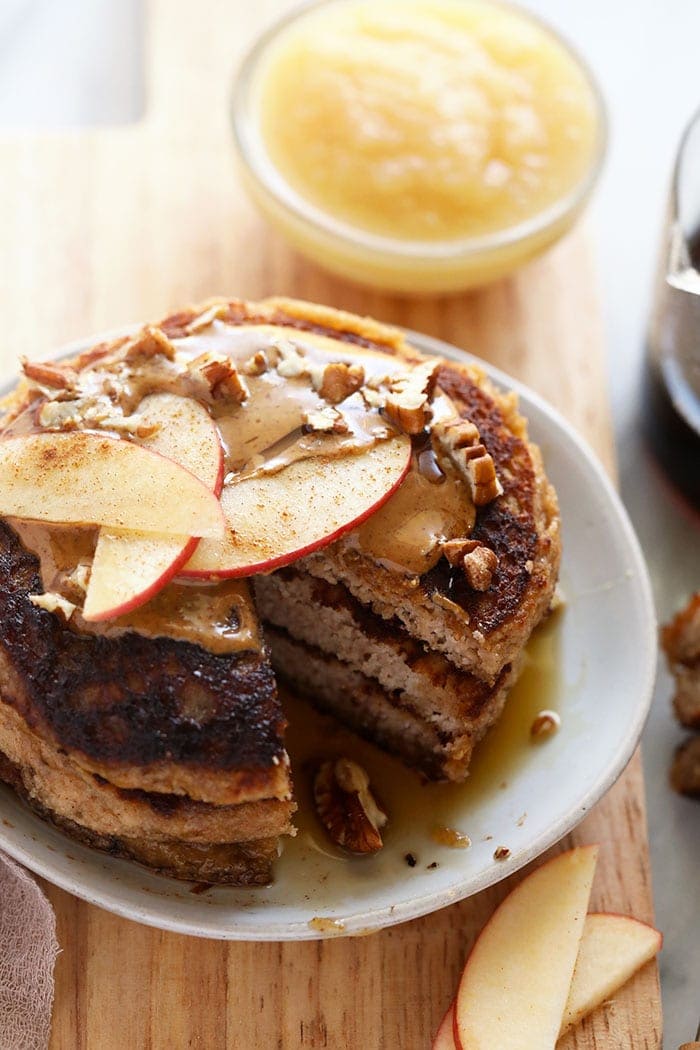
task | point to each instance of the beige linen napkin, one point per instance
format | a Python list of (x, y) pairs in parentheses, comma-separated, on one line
[(28, 950)]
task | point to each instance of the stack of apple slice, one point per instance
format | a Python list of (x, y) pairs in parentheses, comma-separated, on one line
[(156, 497), (541, 963)]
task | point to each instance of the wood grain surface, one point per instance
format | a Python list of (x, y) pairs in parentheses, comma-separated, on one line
[(113, 226)]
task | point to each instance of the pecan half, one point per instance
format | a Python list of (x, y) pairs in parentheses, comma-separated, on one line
[(346, 807)]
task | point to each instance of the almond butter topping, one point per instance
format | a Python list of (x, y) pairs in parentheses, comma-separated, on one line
[(346, 807)]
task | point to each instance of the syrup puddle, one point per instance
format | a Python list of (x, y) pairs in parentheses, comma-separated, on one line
[(415, 808)]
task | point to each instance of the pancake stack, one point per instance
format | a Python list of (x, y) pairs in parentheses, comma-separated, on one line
[(147, 736)]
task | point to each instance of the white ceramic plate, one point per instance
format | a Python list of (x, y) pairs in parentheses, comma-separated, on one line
[(605, 649)]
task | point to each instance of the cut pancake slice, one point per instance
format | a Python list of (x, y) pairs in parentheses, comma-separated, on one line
[(479, 631), (152, 748), (373, 676), (168, 833)]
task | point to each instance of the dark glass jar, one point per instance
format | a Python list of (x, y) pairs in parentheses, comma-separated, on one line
[(671, 406)]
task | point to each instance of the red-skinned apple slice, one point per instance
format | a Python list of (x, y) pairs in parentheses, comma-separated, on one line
[(444, 1037), (130, 567), (516, 981), (274, 519), (83, 478), (612, 949)]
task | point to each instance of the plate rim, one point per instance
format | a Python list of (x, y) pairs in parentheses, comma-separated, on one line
[(384, 916)]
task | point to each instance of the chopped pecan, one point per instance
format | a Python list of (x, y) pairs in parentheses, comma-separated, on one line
[(150, 342), (50, 374), (454, 550), (207, 317), (546, 723), (53, 603), (255, 365), (132, 425), (220, 375), (371, 397), (479, 562), (407, 400), (326, 420), (288, 359), (338, 381), (346, 807), (460, 439), (479, 567)]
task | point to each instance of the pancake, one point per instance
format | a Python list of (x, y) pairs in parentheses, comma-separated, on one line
[(158, 735)]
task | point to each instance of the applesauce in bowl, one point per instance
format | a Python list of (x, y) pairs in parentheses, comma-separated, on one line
[(418, 145)]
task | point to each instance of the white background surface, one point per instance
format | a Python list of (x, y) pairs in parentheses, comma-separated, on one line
[(68, 62)]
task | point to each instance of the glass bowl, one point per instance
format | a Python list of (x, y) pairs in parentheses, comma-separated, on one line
[(392, 263)]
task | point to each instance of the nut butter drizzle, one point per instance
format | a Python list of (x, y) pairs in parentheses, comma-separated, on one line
[(267, 432), (272, 425), (217, 616)]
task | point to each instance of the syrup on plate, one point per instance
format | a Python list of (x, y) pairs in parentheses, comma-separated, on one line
[(417, 809)]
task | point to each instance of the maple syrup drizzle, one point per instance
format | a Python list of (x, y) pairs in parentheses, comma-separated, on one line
[(415, 808)]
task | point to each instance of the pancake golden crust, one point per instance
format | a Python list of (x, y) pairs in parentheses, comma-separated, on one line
[(246, 863), (299, 315), (509, 525)]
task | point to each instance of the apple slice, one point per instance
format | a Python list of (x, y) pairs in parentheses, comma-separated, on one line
[(444, 1037), (516, 980), (274, 519), (130, 567), (91, 479), (612, 949)]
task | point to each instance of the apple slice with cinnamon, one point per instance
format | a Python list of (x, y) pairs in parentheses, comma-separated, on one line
[(85, 478), (273, 519), (129, 567)]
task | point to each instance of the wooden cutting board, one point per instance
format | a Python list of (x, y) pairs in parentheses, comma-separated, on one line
[(113, 226)]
